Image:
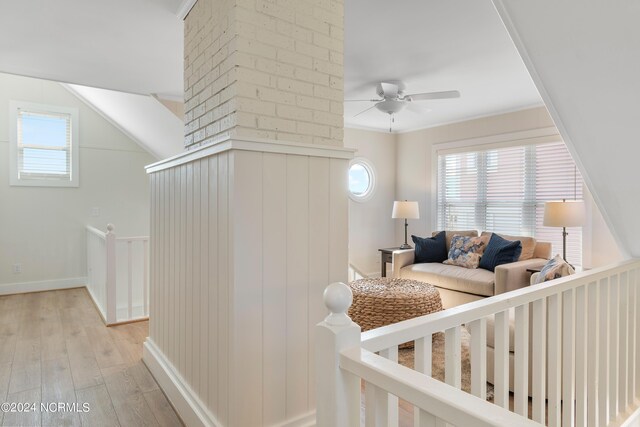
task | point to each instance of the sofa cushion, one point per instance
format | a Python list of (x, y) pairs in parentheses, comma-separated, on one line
[(473, 281), (555, 268), (528, 244), (450, 233), (466, 251), (500, 251), (430, 249)]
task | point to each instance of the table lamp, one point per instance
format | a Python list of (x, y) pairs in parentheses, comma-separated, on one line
[(406, 210), (564, 214)]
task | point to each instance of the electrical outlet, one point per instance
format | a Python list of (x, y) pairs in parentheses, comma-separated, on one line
[(95, 212), (17, 268)]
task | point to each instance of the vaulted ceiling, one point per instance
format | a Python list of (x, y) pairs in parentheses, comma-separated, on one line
[(136, 46), (126, 45)]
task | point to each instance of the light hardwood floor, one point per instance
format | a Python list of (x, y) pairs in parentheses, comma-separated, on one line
[(55, 348)]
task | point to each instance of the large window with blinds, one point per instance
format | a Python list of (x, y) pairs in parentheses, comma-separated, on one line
[(43, 145), (504, 190)]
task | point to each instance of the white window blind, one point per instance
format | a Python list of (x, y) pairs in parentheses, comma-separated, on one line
[(504, 190), (44, 145)]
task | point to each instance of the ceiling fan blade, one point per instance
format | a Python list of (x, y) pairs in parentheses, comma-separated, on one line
[(364, 111), (433, 95), (390, 90), (417, 109), (362, 100)]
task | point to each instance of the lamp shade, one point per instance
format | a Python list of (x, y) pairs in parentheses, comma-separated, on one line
[(407, 210), (564, 213)]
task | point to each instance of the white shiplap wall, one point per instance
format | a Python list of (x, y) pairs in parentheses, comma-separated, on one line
[(243, 244)]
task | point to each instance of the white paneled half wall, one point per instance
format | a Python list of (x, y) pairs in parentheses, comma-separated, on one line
[(246, 234)]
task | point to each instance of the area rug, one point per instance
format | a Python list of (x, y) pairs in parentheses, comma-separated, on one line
[(405, 357)]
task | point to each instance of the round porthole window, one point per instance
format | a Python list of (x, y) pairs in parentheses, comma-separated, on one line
[(361, 180)]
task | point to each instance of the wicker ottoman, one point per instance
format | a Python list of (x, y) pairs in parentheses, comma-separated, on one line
[(382, 301)]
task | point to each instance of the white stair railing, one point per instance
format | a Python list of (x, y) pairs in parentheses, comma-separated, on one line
[(118, 275), (585, 338)]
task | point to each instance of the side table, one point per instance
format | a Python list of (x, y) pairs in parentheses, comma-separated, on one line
[(386, 256)]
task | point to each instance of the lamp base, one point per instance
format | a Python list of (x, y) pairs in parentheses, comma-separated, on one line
[(405, 246)]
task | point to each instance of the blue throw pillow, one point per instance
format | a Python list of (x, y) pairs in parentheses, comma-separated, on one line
[(431, 249), (500, 251)]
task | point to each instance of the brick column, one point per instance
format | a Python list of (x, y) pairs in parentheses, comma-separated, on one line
[(265, 69), (249, 224)]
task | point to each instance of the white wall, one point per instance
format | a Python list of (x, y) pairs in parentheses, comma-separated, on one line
[(43, 229), (585, 65), (415, 175), (370, 223)]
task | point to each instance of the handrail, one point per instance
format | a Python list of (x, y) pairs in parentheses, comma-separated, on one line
[(409, 330), (442, 400), (96, 231), (357, 270)]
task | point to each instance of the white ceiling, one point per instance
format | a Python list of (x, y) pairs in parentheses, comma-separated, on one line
[(136, 46), (127, 45), (433, 45)]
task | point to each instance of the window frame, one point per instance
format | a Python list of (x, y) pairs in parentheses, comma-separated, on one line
[(74, 163), (368, 166), (513, 139)]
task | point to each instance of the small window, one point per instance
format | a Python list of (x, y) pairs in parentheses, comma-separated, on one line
[(44, 141), (361, 180)]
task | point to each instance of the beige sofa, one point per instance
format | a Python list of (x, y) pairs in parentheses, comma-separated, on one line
[(459, 285)]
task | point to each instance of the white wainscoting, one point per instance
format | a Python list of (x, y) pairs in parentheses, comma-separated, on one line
[(243, 243), (45, 285)]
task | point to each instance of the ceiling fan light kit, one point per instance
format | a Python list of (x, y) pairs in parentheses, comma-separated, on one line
[(391, 106)]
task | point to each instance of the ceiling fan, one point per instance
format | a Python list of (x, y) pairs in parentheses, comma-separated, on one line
[(393, 98)]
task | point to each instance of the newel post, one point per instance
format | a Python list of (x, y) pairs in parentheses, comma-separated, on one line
[(337, 391), (111, 275)]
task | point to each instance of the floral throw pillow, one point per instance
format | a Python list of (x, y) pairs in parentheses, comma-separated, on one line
[(555, 268), (466, 251)]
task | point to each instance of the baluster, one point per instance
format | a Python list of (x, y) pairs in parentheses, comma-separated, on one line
[(478, 347), (631, 382), (538, 372), (593, 352), (636, 283), (581, 355), (521, 366), (111, 271), (370, 392), (385, 398), (553, 358), (145, 278), (501, 359), (452, 357), (130, 279), (614, 345), (603, 354), (623, 342), (422, 362), (568, 358)]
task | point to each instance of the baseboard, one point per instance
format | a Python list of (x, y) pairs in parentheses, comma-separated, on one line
[(45, 285), (306, 420), (631, 418), (184, 400)]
